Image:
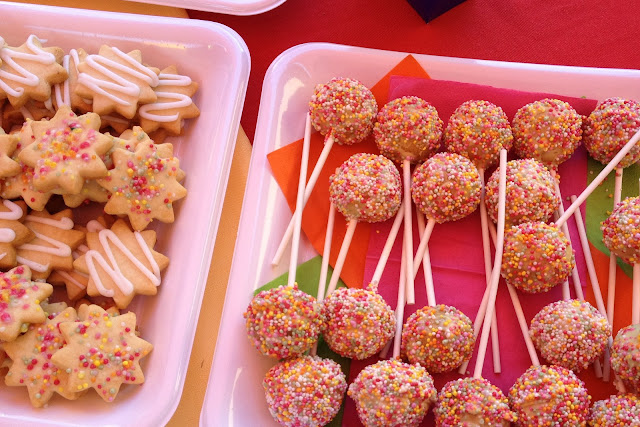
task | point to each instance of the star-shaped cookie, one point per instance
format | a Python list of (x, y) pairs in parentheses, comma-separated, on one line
[(116, 81), (28, 71), (143, 185), (8, 145), (65, 151), (32, 367), (64, 93), (174, 103), (102, 352), (55, 240), (122, 263), (13, 233), (20, 301)]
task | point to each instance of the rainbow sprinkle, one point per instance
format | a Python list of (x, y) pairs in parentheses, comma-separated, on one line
[(391, 392), (619, 411), (549, 396), (344, 108), (571, 334), (548, 130), (358, 322), (439, 338), (408, 128), (306, 391), (478, 130), (625, 356), (621, 230), (537, 257), (366, 187), (446, 187)]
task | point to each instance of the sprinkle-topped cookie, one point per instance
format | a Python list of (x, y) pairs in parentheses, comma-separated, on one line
[(609, 127), (446, 187), (616, 411), (530, 195), (571, 333), (439, 338), (394, 393), (621, 229), (344, 108), (366, 188), (102, 352), (358, 322), (625, 356), (20, 302), (283, 322), (478, 130), (550, 396), (32, 366), (548, 130), (305, 391), (8, 144), (408, 128), (537, 257), (65, 151), (468, 402), (143, 185)]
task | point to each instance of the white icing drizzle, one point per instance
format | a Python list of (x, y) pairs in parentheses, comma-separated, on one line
[(63, 223), (32, 264), (166, 79), (7, 235), (93, 226), (71, 279), (181, 102), (23, 76), (121, 85), (3, 254), (15, 212), (58, 249)]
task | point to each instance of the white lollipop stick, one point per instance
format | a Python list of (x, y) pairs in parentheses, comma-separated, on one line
[(408, 231), (328, 143), (599, 178), (613, 265), (342, 255), (397, 339), (324, 268), (424, 242), (575, 277), (297, 227), (391, 238), (426, 262), (495, 276)]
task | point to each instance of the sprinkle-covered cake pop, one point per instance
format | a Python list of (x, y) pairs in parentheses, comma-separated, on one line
[(616, 411), (537, 257), (358, 322), (478, 130), (305, 391), (391, 392), (439, 338), (530, 192), (572, 333), (549, 396), (283, 322), (621, 229), (408, 128), (548, 130), (345, 107), (625, 356), (609, 127), (470, 402), (366, 188), (446, 187)]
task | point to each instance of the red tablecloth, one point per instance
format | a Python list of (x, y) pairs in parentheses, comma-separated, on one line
[(572, 32)]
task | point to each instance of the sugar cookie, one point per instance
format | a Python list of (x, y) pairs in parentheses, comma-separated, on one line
[(12, 232), (8, 145), (64, 93)]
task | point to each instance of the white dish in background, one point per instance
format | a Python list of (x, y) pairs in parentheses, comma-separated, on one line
[(235, 396), (229, 7), (218, 59)]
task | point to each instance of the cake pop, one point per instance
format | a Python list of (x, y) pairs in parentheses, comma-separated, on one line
[(549, 396), (616, 411), (283, 322), (621, 229), (625, 356), (537, 257), (531, 194), (468, 402), (391, 392), (305, 391), (439, 338), (358, 322), (571, 334)]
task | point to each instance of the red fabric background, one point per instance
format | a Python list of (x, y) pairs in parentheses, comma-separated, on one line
[(572, 32)]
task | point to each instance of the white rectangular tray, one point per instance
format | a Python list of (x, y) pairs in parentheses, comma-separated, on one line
[(229, 7), (218, 59), (235, 395)]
